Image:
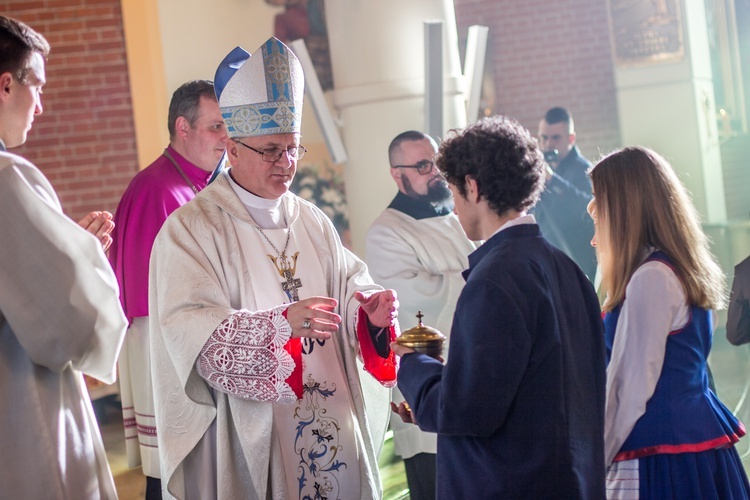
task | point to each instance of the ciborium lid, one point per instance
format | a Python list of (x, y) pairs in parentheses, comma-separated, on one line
[(423, 338)]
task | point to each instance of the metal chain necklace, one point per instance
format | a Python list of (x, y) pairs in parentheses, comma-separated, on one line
[(182, 172), (290, 285)]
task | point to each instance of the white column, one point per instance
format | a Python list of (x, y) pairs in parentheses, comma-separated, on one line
[(668, 104), (377, 55)]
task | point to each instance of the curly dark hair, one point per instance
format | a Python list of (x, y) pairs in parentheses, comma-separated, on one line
[(501, 156)]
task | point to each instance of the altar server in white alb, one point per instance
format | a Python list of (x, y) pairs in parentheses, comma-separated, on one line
[(60, 315), (418, 248), (259, 314)]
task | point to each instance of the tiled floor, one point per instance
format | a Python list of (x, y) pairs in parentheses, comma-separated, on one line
[(730, 366)]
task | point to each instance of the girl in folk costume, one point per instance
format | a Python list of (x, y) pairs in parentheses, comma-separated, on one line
[(666, 433)]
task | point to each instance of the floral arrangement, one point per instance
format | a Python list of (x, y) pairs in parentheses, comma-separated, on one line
[(324, 187)]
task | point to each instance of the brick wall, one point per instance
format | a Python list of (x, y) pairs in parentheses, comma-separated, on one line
[(84, 140), (550, 53)]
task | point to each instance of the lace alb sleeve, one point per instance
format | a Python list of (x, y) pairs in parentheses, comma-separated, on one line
[(245, 356)]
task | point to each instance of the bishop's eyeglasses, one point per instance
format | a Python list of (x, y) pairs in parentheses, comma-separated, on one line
[(423, 167), (274, 154)]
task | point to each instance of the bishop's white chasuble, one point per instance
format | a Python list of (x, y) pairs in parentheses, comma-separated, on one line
[(211, 272)]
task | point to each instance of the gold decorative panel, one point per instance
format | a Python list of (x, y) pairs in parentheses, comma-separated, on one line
[(646, 31)]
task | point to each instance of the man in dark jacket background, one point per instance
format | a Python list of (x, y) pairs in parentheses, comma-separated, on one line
[(561, 211)]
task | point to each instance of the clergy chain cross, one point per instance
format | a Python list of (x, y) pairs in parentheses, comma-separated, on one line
[(290, 285)]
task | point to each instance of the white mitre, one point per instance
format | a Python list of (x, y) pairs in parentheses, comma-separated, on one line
[(261, 94)]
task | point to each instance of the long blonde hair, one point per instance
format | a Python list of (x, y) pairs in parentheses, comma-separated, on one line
[(641, 203)]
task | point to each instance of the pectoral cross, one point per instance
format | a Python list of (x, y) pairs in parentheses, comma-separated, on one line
[(290, 283)]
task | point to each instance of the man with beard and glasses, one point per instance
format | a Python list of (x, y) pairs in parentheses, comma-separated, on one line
[(418, 248)]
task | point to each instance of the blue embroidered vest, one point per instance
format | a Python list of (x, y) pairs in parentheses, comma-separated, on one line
[(683, 415)]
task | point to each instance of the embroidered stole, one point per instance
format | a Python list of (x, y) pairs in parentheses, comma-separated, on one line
[(317, 436)]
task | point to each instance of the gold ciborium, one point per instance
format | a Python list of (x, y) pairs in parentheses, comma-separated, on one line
[(424, 339)]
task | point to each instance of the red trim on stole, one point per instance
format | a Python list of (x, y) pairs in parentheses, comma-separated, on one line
[(294, 348), (383, 369)]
